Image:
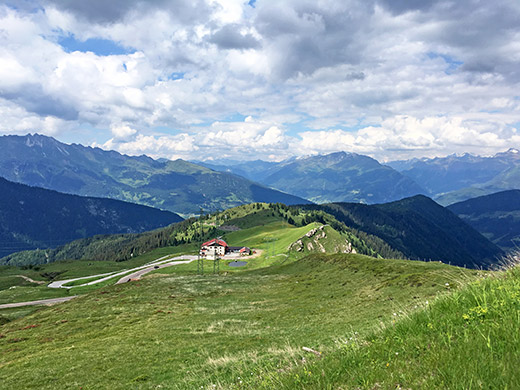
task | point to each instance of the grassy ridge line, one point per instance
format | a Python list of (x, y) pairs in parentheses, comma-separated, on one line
[(273, 237), (272, 240), (466, 340), (193, 231)]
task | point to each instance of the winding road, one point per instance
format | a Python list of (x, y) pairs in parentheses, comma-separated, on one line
[(133, 273), (125, 276), (137, 275)]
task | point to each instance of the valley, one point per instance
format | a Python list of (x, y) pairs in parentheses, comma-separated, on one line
[(32, 217), (496, 216)]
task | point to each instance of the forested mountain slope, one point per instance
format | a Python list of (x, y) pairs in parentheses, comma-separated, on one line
[(420, 229), (32, 217), (496, 216)]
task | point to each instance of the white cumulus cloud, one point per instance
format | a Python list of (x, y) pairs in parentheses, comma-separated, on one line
[(392, 79)]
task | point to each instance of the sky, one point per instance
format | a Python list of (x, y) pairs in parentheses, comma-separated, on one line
[(264, 79)]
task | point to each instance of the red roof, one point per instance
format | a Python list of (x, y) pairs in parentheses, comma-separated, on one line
[(215, 241)]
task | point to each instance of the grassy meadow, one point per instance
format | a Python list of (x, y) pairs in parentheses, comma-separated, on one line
[(14, 288), (372, 323), (467, 339), (233, 330)]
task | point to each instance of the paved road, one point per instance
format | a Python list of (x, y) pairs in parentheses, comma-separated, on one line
[(60, 283), (51, 301), (138, 274), (149, 267)]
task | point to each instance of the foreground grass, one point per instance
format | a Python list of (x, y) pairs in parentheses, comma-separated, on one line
[(466, 340), (188, 331)]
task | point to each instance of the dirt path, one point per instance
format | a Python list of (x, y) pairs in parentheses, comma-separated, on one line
[(48, 302), (235, 256), (31, 280)]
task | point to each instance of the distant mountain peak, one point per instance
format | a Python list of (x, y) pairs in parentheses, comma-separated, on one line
[(333, 155), (36, 139), (341, 153), (510, 153)]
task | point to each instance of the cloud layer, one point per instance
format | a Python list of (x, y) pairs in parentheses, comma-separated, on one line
[(222, 78)]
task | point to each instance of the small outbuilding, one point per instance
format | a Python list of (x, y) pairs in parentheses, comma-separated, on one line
[(245, 251)]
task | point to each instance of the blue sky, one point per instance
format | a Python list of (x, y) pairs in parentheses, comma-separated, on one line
[(261, 79), (98, 46)]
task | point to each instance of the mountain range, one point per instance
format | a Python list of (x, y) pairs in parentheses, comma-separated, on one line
[(33, 217), (184, 187), (350, 177), (177, 186), (415, 228), (336, 177), (455, 178)]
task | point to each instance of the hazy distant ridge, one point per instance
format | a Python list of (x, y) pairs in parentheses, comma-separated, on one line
[(459, 177), (496, 216), (177, 186), (335, 177)]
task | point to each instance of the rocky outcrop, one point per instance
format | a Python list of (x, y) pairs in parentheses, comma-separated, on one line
[(316, 240)]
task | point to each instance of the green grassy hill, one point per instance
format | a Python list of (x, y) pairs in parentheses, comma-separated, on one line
[(467, 339), (192, 232), (323, 239), (236, 330)]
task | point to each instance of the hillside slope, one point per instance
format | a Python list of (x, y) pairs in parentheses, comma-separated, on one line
[(187, 331), (467, 339), (33, 217), (178, 186), (419, 228), (241, 225), (506, 180), (496, 216)]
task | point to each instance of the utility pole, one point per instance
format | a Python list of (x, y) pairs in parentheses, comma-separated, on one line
[(200, 260), (216, 261), (216, 265)]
